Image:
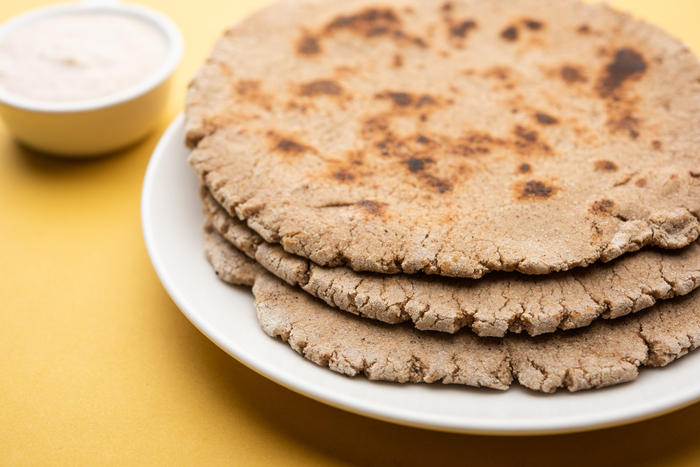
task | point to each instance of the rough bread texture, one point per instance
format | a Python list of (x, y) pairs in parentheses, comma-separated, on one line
[(491, 306), (451, 137), (603, 354), (229, 263)]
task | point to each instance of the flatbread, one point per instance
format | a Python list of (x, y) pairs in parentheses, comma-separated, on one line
[(229, 264), (491, 306), (451, 137), (603, 354)]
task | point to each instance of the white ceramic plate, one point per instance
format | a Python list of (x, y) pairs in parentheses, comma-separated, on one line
[(172, 224)]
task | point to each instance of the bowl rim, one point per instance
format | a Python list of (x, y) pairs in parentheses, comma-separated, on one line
[(163, 23)]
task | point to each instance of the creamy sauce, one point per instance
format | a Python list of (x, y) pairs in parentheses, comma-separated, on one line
[(80, 56)]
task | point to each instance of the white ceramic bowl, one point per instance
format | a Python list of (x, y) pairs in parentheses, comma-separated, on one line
[(100, 125)]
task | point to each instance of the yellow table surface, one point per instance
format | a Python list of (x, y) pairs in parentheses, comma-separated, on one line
[(99, 367)]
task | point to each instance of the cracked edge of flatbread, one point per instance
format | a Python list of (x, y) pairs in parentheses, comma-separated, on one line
[(502, 303), (604, 354), (229, 263)]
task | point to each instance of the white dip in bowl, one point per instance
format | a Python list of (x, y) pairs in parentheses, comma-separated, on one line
[(87, 78), (80, 55)]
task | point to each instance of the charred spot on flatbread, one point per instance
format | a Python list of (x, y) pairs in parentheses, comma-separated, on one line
[(372, 207), (288, 146), (308, 46), (321, 87), (628, 64), (533, 24), (602, 207), (524, 168), (545, 119), (510, 34), (571, 74), (605, 165), (536, 190), (462, 28)]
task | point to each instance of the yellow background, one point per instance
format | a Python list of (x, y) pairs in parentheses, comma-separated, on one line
[(98, 366)]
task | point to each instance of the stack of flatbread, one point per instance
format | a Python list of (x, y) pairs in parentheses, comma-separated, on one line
[(465, 191)]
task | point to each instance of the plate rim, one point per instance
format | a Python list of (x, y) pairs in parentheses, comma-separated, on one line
[(364, 407)]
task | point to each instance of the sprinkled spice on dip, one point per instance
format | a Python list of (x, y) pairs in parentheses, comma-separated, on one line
[(79, 56)]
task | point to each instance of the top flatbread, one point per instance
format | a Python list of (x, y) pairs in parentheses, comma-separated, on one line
[(453, 138)]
